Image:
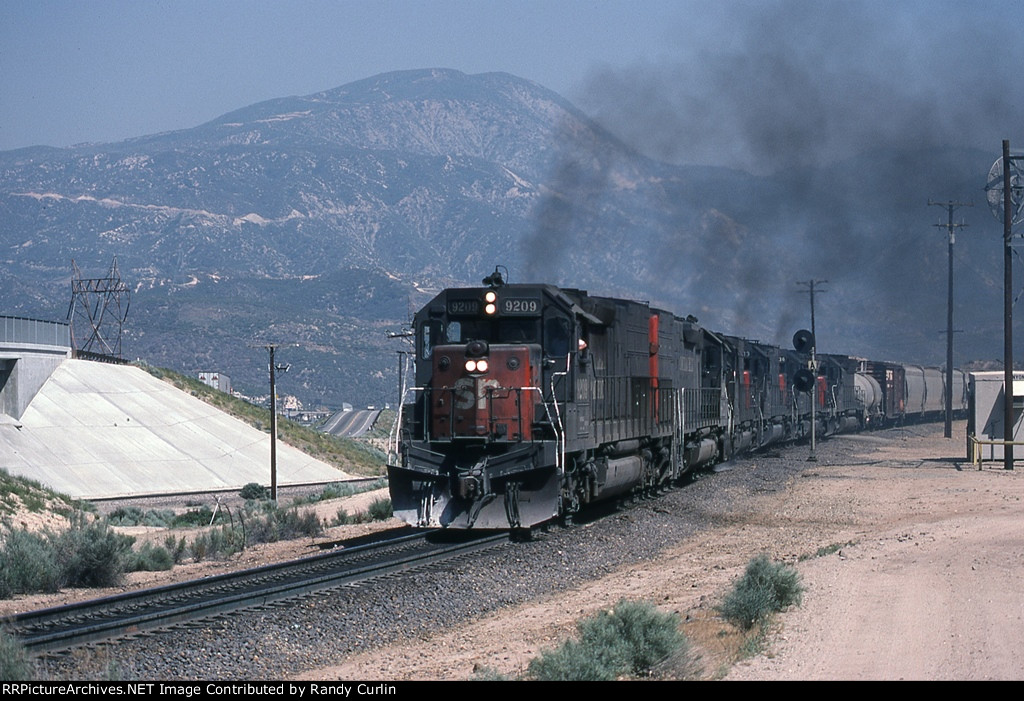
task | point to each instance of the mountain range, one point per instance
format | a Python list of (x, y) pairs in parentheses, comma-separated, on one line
[(321, 222)]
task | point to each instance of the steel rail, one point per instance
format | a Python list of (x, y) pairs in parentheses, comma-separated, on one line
[(72, 625)]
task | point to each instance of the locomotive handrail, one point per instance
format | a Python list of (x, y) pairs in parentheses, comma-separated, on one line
[(559, 429), (393, 449)]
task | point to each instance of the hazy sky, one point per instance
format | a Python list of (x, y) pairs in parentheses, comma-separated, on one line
[(105, 70)]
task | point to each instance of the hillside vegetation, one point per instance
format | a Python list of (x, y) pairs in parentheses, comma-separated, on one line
[(350, 455)]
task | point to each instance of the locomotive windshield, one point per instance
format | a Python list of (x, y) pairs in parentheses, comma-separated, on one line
[(438, 332)]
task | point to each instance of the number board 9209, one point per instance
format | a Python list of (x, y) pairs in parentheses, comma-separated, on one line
[(526, 306), (460, 307)]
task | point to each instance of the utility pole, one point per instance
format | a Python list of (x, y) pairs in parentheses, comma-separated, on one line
[(273, 425), (1007, 311), (950, 206), (271, 347), (810, 288), (409, 335), (1005, 194)]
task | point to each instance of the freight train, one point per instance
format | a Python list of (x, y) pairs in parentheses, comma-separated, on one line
[(530, 401)]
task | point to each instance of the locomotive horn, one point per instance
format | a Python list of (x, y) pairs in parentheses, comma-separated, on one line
[(803, 341), (495, 279)]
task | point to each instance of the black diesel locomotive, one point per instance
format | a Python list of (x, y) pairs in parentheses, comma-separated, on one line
[(530, 401)]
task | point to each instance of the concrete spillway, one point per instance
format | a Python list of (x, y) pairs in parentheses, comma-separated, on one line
[(95, 430)]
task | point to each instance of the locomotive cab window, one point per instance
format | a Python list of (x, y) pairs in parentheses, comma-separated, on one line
[(435, 333), (557, 332), (518, 331), (500, 331)]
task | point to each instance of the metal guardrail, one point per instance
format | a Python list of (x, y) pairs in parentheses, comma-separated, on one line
[(16, 329), (100, 358), (976, 443)]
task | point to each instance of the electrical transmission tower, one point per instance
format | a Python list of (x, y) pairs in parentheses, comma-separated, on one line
[(99, 307)]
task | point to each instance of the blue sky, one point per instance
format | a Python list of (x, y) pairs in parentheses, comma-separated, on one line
[(105, 70)]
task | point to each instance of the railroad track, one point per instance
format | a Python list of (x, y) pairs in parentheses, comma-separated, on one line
[(77, 624)]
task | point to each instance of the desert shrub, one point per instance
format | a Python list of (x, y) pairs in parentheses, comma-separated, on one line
[(200, 544), (281, 524), (342, 518), (15, 663), (380, 509), (304, 523), (92, 555), (253, 491), (764, 588), (134, 516), (630, 639), (176, 547), (575, 661), (217, 544), (197, 517), (150, 558), (28, 563), (336, 490), (651, 635)]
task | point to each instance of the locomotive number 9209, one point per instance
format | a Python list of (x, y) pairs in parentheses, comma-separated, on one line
[(520, 305)]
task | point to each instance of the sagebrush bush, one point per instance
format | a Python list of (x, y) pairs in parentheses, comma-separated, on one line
[(218, 543), (176, 547), (336, 490), (134, 516), (28, 563), (651, 636), (15, 663), (150, 558), (630, 639), (253, 491), (92, 555), (574, 661), (197, 517), (764, 588), (276, 524), (380, 509)]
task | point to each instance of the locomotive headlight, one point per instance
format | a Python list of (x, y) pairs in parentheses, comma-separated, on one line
[(476, 365), (490, 302)]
